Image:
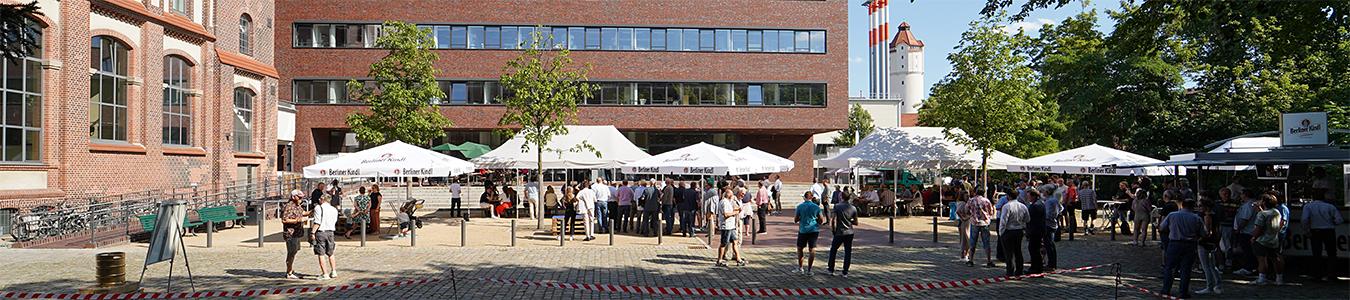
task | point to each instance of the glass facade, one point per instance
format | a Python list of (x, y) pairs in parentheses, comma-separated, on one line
[(177, 121), (108, 89), (330, 35), (460, 92), (21, 93)]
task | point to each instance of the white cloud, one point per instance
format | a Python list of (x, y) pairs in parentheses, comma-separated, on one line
[(1028, 26)]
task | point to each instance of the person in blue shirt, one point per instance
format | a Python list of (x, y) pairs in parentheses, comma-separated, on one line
[(808, 217)]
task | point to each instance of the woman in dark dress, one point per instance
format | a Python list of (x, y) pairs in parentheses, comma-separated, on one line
[(375, 199)]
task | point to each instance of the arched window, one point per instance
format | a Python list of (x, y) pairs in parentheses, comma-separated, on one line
[(243, 119), (177, 122), (245, 35), (108, 89), (21, 91)]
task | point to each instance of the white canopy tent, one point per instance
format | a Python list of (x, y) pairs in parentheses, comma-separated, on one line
[(615, 149), (1092, 160), (396, 159), (1238, 145), (777, 164), (914, 148), (698, 159)]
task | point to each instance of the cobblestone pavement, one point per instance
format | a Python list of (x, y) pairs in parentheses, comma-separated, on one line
[(682, 262)]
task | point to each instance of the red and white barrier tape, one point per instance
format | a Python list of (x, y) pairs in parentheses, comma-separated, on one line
[(250, 293), (1150, 292), (683, 291)]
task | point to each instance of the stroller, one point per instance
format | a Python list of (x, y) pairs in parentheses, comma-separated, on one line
[(407, 216)]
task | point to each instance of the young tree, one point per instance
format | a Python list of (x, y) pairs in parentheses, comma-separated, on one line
[(18, 34), (992, 94), (859, 126), (400, 98), (542, 89)]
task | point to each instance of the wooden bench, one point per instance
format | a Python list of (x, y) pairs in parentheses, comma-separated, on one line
[(221, 214), (148, 224)]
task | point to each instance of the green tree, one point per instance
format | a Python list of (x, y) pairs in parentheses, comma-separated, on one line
[(992, 94), (404, 87), (19, 35), (542, 89), (859, 126)]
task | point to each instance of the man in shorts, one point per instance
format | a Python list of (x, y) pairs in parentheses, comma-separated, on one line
[(728, 212), (1266, 241), (293, 228), (808, 217), (321, 237)]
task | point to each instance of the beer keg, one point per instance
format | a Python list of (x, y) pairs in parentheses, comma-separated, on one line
[(111, 269)]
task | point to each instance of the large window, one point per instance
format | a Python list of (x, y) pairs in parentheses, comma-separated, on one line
[(108, 89), (21, 90), (243, 120), (177, 123), (327, 35), (478, 92), (246, 34)]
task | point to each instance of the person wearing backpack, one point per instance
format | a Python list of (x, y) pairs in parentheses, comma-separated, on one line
[(1266, 241)]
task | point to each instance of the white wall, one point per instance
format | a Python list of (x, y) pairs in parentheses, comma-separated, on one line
[(97, 21), (285, 126), (23, 180), (194, 51)]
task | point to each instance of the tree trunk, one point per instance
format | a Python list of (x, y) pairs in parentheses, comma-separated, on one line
[(539, 160)]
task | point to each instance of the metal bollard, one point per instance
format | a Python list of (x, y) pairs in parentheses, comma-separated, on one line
[(892, 229), (412, 234), (363, 234), (262, 217), (660, 227), (754, 231), (562, 229), (210, 227), (1113, 230), (935, 239), (513, 234), (611, 233)]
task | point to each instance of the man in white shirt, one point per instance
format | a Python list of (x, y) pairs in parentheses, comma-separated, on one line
[(602, 204), (532, 196), (586, 207), (455, 191), (321, 237), (776, 190)]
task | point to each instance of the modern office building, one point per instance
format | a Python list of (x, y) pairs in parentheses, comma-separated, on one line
[(138, 95), (762, 73)]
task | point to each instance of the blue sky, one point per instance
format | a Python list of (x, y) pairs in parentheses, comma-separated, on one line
[(939, 24)]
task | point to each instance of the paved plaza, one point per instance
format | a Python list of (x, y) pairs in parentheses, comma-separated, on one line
[(234, 263)]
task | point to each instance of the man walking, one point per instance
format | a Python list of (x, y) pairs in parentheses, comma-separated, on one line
[(321, 237), (808, 217), (1011, 227), (1320, 218), (845, 217), (1183, 230), (980, 211)]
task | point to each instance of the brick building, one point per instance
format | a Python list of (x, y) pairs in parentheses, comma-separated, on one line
[(762, 73), (136, 95)]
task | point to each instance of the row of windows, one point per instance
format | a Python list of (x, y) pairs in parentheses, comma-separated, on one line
[(21, 96), (607, 93), (575, 38)]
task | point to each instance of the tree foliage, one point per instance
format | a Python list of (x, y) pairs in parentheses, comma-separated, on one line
[(19, 35), (859, 126), (993, 95), (542, 92), (404, 87)]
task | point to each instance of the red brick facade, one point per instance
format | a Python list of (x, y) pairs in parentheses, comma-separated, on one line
[(784, 131), (76, 166)]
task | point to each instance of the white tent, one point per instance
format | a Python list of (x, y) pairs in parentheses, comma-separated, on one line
[(778, 164), (1091, 160), (615, 150), (1238, 145), (396, 159), (849, 171), (698, 159), (913, 148)]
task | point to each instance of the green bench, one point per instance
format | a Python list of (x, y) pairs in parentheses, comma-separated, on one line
[(221, 214), (148, 224)]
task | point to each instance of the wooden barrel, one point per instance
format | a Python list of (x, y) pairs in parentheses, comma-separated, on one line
[(111, 268)]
